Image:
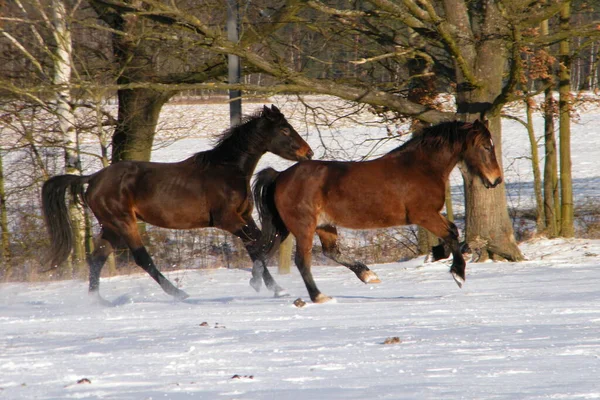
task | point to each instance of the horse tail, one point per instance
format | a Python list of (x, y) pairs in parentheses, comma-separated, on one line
[(56, 214), (273, 228)]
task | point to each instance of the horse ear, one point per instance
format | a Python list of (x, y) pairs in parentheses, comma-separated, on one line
[(275, 109), (267, 112), (479, 122)]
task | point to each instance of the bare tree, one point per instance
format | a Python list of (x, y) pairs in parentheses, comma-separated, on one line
[(564, 105), (469, 46), (551, 199), (63, 60), (4, 231), (52, 61)]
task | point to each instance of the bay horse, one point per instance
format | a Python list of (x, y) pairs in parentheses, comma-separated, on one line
[(209, 189), (405, 186)]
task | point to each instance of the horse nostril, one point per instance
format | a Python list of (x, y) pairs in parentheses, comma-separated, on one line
[(497, 182)]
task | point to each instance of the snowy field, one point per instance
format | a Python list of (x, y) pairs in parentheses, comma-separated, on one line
[(528, 330)]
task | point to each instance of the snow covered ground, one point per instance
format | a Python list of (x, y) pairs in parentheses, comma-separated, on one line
[(528, 330)]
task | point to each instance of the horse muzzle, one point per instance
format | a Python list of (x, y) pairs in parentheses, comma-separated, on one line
[(489, 184), (307, 155)]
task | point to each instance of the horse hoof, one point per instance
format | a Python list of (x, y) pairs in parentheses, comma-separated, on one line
[(280, 292), (181, 295), (321, 298), (256, 284), (459, 280), (95, 298), (369, 277)]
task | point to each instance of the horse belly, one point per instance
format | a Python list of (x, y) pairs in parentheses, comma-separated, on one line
[(363, 217), (174, 212), (174, 219)]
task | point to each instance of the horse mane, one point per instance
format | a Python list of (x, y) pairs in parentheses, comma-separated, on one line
[(445, 134), (232, 140)]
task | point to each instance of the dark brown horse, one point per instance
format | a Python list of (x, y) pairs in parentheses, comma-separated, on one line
[(209, 189), (405, 186)]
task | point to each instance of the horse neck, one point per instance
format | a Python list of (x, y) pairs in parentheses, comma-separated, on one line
[(441, 161), (240, 151)]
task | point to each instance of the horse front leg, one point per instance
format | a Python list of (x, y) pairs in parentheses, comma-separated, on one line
[(249, 234), (448, 232)]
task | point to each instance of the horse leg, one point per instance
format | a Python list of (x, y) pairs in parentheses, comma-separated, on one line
[(249, 234), (104, 247), (143, 259), (303, 261), (440, 252), (132, 237), (448, 232), (328, 236)]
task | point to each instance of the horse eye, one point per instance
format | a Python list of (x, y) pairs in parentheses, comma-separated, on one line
[(285, 131)]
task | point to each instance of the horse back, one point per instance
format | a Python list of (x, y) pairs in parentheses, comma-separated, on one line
[(171, 195), (357, 195)]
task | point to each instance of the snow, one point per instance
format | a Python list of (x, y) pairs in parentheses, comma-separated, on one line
[(527, 330)]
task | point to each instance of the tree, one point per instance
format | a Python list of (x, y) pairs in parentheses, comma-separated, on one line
[(63, 59), (551, 200), (564, 106), (469, 46), (50, 53), (4, 231)]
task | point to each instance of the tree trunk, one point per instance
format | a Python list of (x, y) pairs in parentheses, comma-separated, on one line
[(564, 106), (5, 241), (535, 166), (137, 60), (66, 122), (139, 110), (551, 199), (487, 223), (425, 241), (285, 255), (449, 206)]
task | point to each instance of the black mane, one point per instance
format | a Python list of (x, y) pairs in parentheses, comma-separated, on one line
[(243, 137), (436, 136)]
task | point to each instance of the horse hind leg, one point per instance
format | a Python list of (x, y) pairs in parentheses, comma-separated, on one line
[(303, 262), (143, 259), (128, 231), (328, 237), (103, 248)]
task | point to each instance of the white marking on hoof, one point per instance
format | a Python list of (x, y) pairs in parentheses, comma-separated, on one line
[(181, 295), (95, 298), (281, 292), (256, 284), (459, 281), (370, 277), (321, 298)]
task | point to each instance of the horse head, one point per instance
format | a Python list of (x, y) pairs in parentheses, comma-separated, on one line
[(480, 154), (285, 141)]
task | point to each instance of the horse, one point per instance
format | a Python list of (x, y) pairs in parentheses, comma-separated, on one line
[(209, 189), (405, 186)]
